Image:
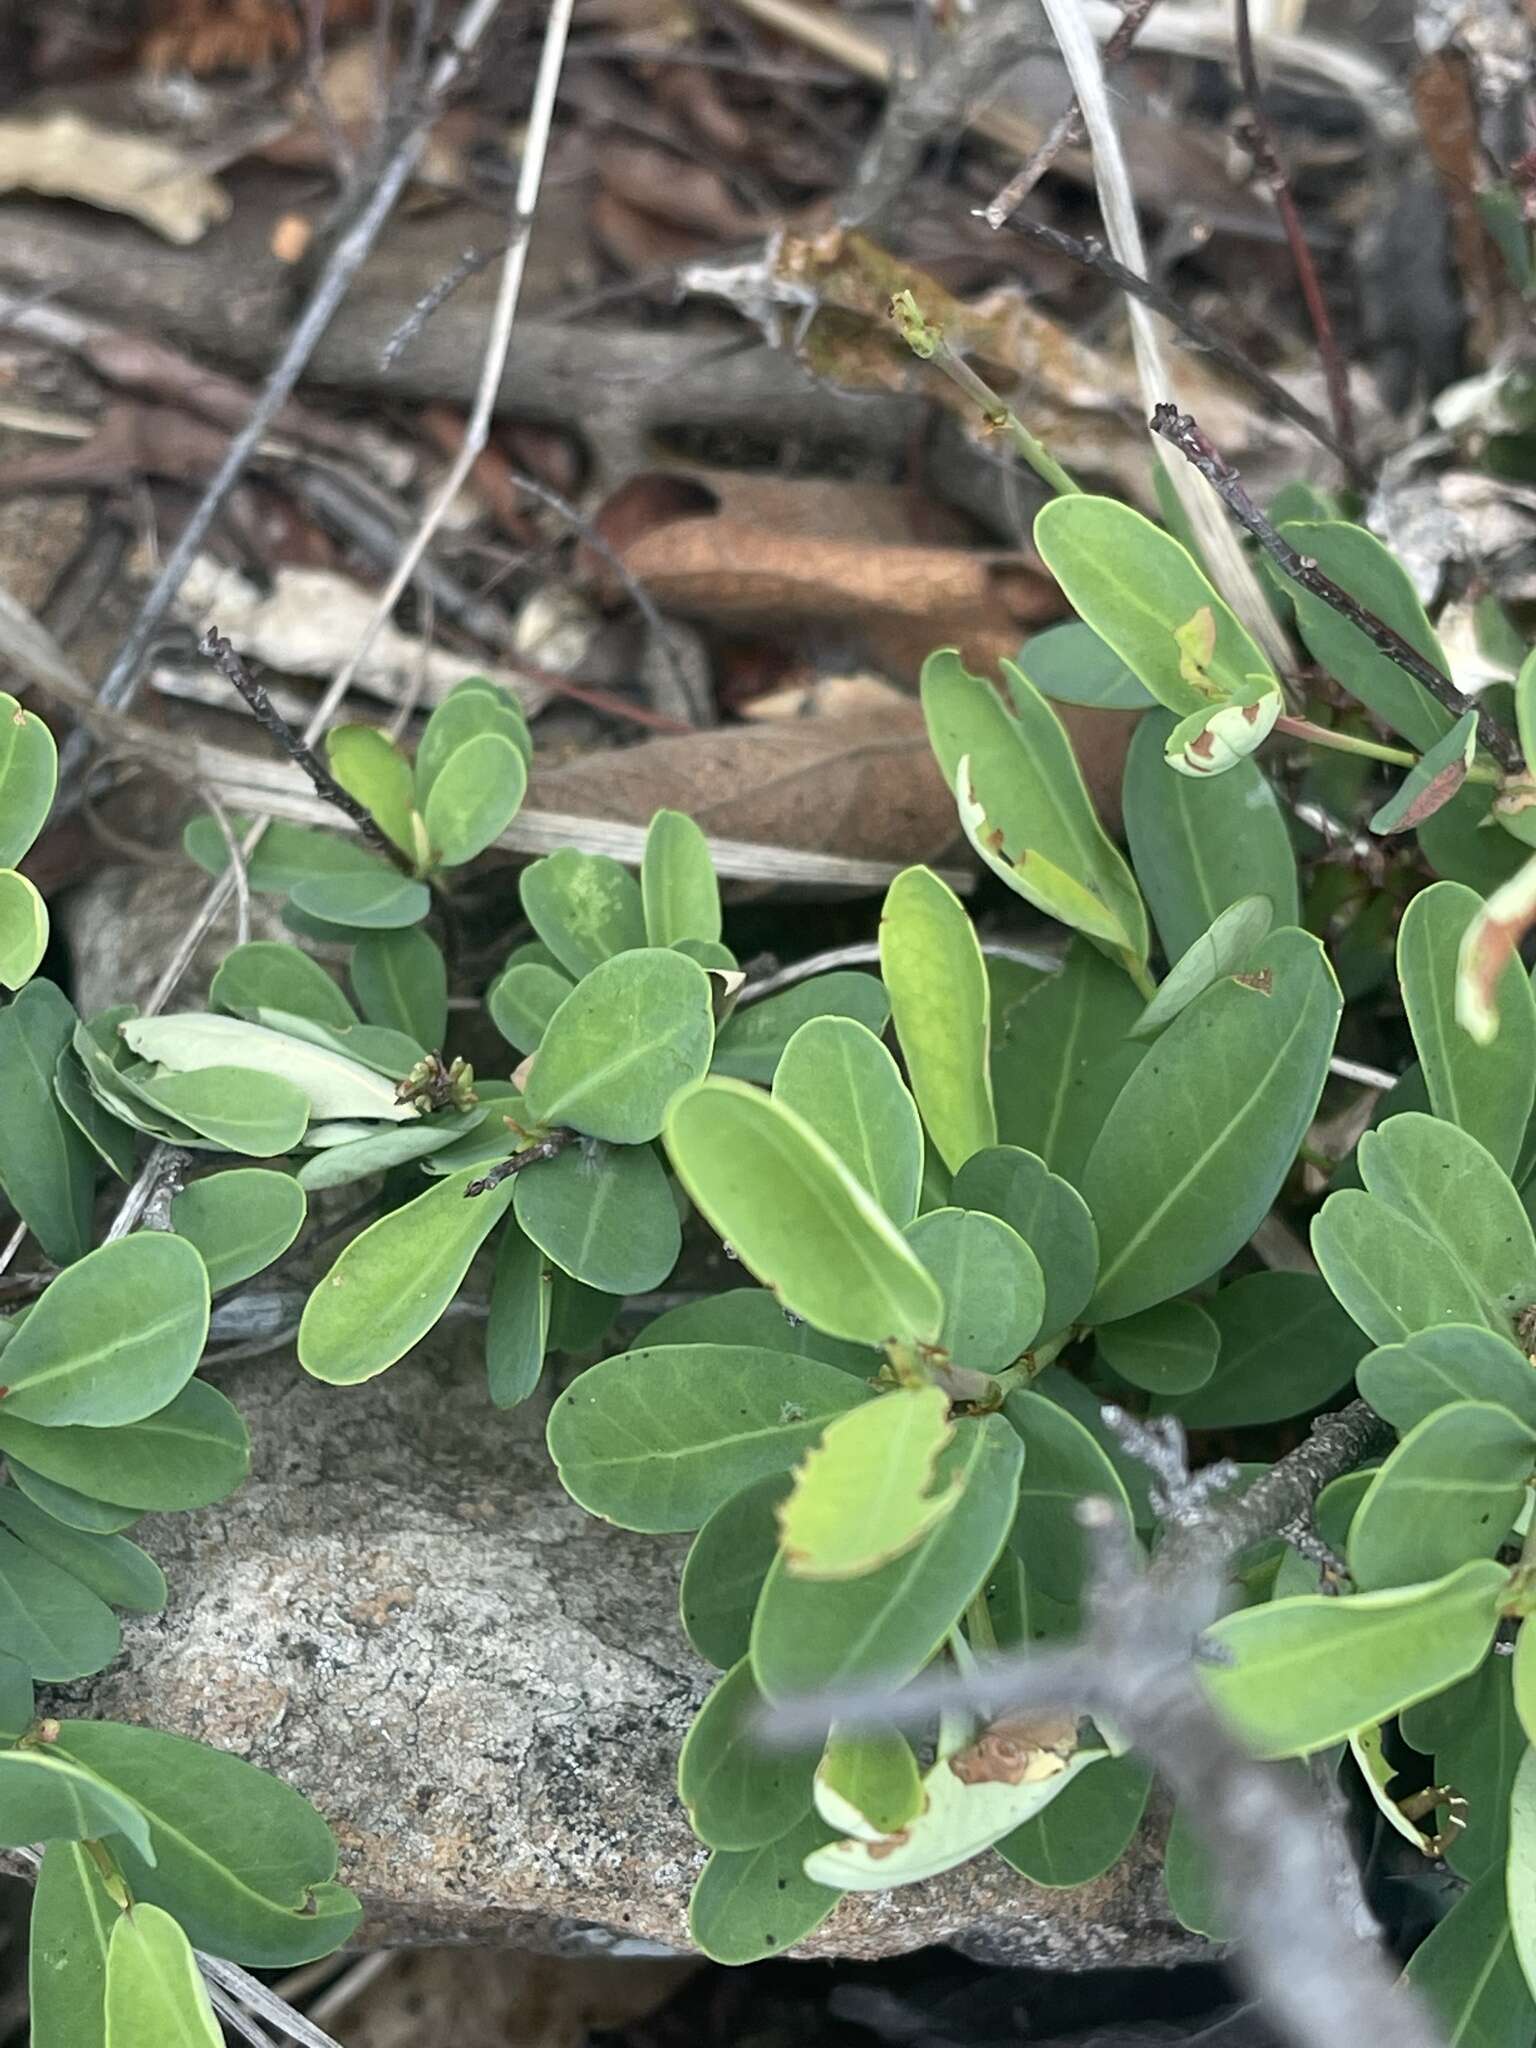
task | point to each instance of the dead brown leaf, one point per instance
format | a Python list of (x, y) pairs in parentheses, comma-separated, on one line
[(638, 242), (684, 195), (694, 94), (1017, 1752)]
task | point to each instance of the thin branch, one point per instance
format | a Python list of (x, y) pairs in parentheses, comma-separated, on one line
[(215, 648), (1267, 156), (545, 1148), (1091, 254), (467, 264), (1069, 129), (1183, 432)]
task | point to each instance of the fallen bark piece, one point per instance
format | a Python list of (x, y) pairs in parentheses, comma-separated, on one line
[(63, 156)]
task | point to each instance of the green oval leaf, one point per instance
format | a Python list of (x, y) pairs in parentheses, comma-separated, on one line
[(72, 1918), (110, 1138), (740, 1794), (1433, 780), (865, 1493), (260, 1115), (45, 1799), (63, 1504), (1170, 1348), (265, 974), (1085, 1829), (1064, 1057), (334, 1085), (1215, 954), (1408, 1381), (887, 1624), (1449, 1492), (752, 1903), (1073, 665), (750, 1315), (1199, 1140), (517, 1330), (524, 999), (637, 1029), (471, 708), (605, 1215), (240, 1222), (658, 1439), (286, 855), (677, 882), (113, 1338), (1468, 1971), (797, 1218), (401, 980), (475, 795), (941, 1002), (1063, 1464), (432, 1138), (114, 1569), (393, 1281), (1048, 1213), (47, 1169), (49, 1621), (381, 900), (192, 1453), (1200, 846), (838, 1077), (1390, 1276), (370, 767), (993, 1288), (751, 1041), (28, 777), (868, 1784), (1487, 1090), (23, 929), (1286, 1346), (584, 906), (1138, 589), (1441, 1178), (1309, 1671), (155, 1997), (243, 1862), (725, 1568)]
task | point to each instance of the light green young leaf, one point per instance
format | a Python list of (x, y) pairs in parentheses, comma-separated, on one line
[(1441, 1178), (401, 981), (334, 1085), (677, 882), (1063, 1464), (867, 1784), (432, 1138), (865, 1493), (286, 856), (1468, 1972), (394, 1280), (887, 1624), (28, 777), (107, 1135), (1286, 1346), (1408, 1381), (471, 708), (1023, 801), (242, 1861), (837, 1076), (604, 1214), (1199, 1140), (751, 1042), (1048, 1213), (993, 1288), (1307, 1672), (1221, 951), (475, 795), (63, 1504), (1449, 1492), (373, 1046), (739, 1792), (192, 1453), (797, 1218), (1201, 846), (523, 999), (1431, 783), (155, 1997), (1390, 1276), (1064, 1058), (1073, 665), (631, 1034), (725, 1569), (114, 1569), (1357, 561), (23, 929), (1086, 1828), (1139, 590), (43, 1798), (1486, 1089), (517, 1331), (72, 1918), (240, 1221), (47, 1169), (49, 1621), (752, 1903), (115, 1336), (658, 1439), (584, 906), (234, 1107), (265, 974), (941, 1002), (971, 1800), (370, 767), (1170, 1348)]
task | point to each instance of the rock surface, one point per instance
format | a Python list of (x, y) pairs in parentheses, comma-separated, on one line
[(484, 1689)]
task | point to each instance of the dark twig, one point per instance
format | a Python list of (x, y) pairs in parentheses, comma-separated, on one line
[(546, 1148), (1090, 254), (215, 648), (1068, 130), (1266, 153), (1184, 433), (467, 264)]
